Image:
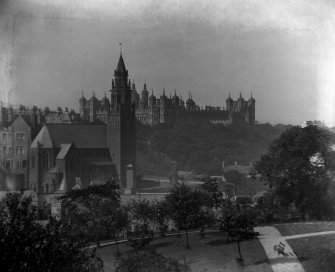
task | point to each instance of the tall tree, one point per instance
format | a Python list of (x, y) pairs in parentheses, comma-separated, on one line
[(296, 168), (140, 214), (86, 205), (237, 226), (185, 205), (115, 220), (30, 246)]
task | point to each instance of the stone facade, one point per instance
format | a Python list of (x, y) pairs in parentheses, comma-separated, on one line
[(163, 110)]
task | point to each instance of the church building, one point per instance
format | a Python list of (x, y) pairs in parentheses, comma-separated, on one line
[(66, 156)]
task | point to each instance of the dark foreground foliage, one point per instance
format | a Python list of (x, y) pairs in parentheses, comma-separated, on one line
[(30, 246)]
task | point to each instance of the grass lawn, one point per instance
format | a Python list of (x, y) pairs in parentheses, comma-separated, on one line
[(315, 253), (288, 229), (213, 254)]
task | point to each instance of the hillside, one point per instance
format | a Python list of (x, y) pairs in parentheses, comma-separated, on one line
[(202, 147)]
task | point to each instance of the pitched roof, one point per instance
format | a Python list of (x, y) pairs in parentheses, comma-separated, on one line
[(64, 151), (82, 136), (120, 66)]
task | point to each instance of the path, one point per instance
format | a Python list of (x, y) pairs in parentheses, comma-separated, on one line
[(270, 236), (309, 234)]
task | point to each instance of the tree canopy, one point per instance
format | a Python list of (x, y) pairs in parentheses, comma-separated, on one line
[(31, 246), (297, 168)]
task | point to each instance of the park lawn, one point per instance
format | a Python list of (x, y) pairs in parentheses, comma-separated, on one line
[(288, 229), (316, 253), (212, 254)]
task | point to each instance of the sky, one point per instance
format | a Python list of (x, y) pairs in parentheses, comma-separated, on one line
[(281, 51)]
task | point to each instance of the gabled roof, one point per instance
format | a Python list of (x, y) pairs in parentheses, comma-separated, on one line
[(82, 136), (65, 148)]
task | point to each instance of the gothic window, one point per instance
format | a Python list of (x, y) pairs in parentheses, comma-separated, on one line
[(46, 160), (33, 161)]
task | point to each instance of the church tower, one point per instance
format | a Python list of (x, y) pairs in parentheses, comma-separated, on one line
[(121, 133)]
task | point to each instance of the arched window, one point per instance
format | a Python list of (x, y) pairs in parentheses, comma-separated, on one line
[(46, 160), (33, 161)]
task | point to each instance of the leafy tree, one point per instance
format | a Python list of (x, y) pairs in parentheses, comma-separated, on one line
[(140, 214), (29, 246), (115, 220), (185, 205), (85, 206), (215, 195), (152, 261), (161, 215), (296, 168), (237, 226)]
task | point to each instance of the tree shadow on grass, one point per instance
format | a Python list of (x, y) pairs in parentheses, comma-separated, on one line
[(283, 260), (160, 244), (217, 242)]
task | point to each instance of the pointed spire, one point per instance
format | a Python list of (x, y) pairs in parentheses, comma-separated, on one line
[(120, 48), (164, 92), (189, 95), (152, 92), (113, 84), (229, 95), (121, 66), (82, 94), (145, 86)]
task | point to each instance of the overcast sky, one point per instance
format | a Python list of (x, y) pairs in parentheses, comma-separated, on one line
[(281, 51)]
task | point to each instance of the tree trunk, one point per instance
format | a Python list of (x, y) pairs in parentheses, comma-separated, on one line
[(187, 244), (97, 239), (239, 249), (179, 236), (117, 245)]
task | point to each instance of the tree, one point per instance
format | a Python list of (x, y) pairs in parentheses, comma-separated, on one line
[(237, 226), (30, 246), (140, 214), (296, 168), (85, 206), (161, 215), (185, 205), (215, 196), (115, 220)]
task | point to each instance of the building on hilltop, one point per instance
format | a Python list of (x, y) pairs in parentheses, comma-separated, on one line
[(163, 110)]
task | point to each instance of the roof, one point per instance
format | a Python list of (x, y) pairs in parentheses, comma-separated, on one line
[(82, 136), (63, 152), (55, 170), (120, 66), (243, 169)]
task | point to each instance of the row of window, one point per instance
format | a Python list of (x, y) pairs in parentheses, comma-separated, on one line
[(20, 136), (8, 150), (45, 159), (12, 164)]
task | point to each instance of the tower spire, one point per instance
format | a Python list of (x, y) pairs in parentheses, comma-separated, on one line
[(120, 44)]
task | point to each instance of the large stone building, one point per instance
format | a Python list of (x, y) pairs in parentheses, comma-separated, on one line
[(68, 154), (164, 110)]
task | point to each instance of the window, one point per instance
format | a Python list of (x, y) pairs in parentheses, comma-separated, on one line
[(24, 163), (4, 136), (46, 160), (18, 164), (33, 161), (4, 149), (19, 150), (10, 150), (19, 136)]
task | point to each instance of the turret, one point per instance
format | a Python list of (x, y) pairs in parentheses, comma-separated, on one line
[(175, 99), (229, 103), (152, 99), (144, 97)]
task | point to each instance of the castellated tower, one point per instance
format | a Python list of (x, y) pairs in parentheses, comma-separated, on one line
[(121, 134)]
